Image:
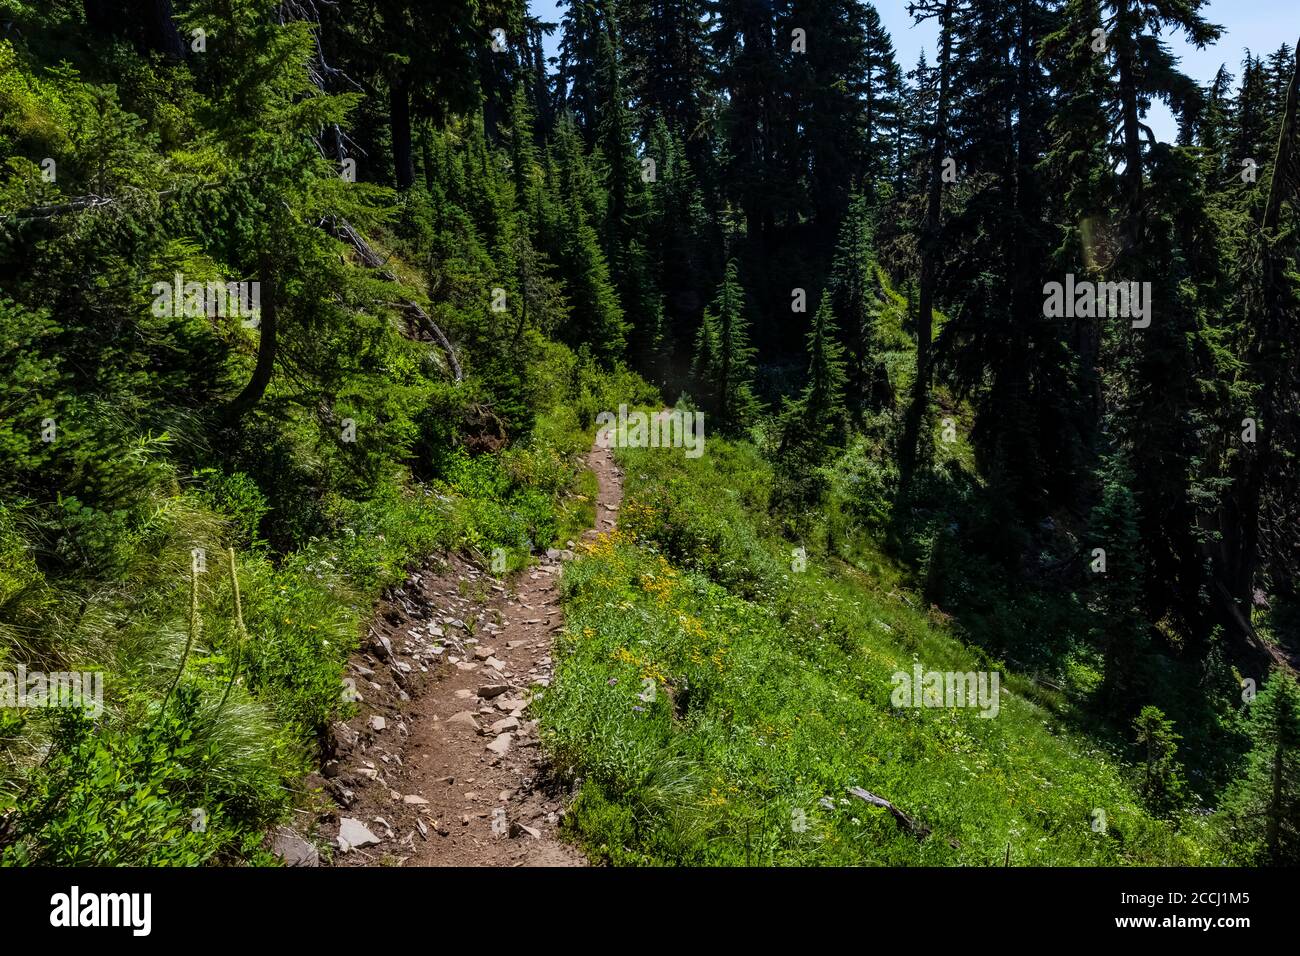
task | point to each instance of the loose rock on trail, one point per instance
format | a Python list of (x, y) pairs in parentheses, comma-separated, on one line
[(442, 765)]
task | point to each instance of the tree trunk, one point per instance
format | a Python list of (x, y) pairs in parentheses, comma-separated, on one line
[(256, 387), (161, 33), (98, 16), (399, 98), (1126, 29), (929, 248)]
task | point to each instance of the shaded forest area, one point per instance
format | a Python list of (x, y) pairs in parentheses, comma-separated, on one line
[(464, 251)]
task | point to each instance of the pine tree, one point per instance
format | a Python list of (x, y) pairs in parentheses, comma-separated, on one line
[(853, 300), (821, 407), (752, 52), (1263, 804), (928, 243), (667, 60), (572, 243), (882, 95), (1161, 783), (681, 240), (832, 89), (583, 31), (724, 357), (1248, 138), (1117, 590)]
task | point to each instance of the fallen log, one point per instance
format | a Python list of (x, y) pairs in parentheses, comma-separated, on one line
[(913, 826)]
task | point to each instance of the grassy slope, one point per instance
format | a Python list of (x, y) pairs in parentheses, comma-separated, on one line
[(717, 705), (125, 791)]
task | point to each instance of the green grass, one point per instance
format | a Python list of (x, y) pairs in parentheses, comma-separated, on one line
[(124, 789), (716, 705)]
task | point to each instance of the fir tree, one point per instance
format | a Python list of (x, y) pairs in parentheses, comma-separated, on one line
[(1263, 805), (820, 409), (724, 357)]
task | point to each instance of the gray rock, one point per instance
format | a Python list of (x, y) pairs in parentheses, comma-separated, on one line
[(507, 723), (353, 833), (518, 829), (345, 738), (464, 718), (294, 850)]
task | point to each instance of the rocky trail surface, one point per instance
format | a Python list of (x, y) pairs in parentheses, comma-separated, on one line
[(442, 765)]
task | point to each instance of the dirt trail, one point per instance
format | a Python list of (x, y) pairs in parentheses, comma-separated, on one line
[(451, 773)]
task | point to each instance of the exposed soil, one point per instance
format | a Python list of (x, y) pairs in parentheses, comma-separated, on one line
[(442, 765)]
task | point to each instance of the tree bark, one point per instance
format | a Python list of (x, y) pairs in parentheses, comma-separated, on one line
[(929, 248), (266, 350), (1126, 29), (161, 32), (399, 99)]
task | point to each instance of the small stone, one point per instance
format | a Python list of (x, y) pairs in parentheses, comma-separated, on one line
[(464, 718), (377, 723), (293, 850), (415, 801), (353, 833), (506, 723), (488, 691), (345, 738), (517, 829)]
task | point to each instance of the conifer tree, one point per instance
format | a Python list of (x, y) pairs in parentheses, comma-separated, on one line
[(1161, 783), (724, 357), (821, 406), (1263, 805), (853, 301), (1116, 566)]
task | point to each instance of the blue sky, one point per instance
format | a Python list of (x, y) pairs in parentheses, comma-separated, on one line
[(1258, 25)]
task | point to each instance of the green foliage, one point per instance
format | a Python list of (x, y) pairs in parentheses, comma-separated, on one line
[(709, 707), (1262, 806), (724, 358), (161, 795), (1161, 782)]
